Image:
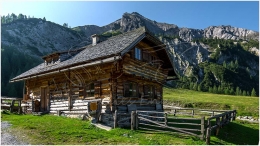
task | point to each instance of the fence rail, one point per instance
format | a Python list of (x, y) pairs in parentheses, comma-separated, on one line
[(163, 122), (12, 104)]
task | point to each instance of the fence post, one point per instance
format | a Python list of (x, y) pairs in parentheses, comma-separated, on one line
[(165, 119), (115, 119), (218, 123), (227, 118), (202, 127), (20, 111), (133, 120), (222, 121), (231, 116), (234, 115), (136, 120), (213, 113), (208, 132), (192, 112), (12, 106), (175, 111)]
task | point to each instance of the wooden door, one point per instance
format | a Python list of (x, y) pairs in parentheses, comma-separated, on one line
[(44, 99)]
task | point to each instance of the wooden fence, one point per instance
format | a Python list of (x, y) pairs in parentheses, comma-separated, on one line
[(12, 104), (122, 119), (220, 121), (167, 122)]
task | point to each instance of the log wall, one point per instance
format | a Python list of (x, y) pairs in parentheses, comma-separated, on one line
[(66, 91)]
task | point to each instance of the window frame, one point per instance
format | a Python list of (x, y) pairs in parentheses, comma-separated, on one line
[(150, 92), (88, 91), (138, 53), (130, 84)]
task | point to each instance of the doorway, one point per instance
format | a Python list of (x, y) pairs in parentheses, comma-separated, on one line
[(44, 99)]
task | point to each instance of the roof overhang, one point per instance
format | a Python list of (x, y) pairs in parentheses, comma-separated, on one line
[(96, 62)]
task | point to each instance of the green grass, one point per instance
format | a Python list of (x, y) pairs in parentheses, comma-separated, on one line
[(48, 129), (237, 133), (54, 130), (244, 105)]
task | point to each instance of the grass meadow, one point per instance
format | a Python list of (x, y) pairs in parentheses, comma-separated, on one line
[(245, 105), (54, 130)]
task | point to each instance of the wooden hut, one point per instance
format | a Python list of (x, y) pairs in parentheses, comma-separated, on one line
[(123, 73)]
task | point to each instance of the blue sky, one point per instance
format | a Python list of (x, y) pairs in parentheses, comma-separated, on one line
[(184, 14)]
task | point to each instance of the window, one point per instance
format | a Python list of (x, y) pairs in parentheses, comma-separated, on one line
[(130, 89), (90, 90), (148, 91), (138, 54)]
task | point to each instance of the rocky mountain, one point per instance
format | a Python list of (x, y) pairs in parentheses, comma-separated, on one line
[(193, 50)]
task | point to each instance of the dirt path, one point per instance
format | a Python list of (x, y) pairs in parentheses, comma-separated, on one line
[(7, 138)]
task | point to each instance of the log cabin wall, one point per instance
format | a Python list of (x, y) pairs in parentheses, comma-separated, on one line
[(71, 92), (145, 74)]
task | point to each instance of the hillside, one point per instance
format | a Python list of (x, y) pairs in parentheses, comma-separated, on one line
[(223, 58)]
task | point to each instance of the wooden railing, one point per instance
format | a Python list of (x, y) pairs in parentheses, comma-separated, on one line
[(122, 119), (167, 122), (220, 121), (11, 104)]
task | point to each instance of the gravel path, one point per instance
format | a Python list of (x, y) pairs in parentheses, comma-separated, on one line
[(7, 138)]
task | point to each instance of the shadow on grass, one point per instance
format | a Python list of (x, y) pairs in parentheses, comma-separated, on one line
[(238, 133)]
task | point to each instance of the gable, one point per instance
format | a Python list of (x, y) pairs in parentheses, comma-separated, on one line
[(154, 53)]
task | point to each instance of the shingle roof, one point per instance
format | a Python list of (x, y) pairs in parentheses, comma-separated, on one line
[(114, 45)]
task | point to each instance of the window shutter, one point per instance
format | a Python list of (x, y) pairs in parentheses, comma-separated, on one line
[(97, 87)]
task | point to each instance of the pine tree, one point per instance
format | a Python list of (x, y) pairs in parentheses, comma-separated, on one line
[(226, 91), (210, 90), (253, 93), (244, 93), (215, 89), (247, 93), (225, 64), (195, 87), (237, 91), (220, 90), (191, 85), (199, 87), (12, 92), (231, 91), (44, 19), (240, 92), (236, 64)]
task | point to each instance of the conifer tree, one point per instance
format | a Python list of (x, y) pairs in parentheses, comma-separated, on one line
[(244, 93), (226, 91), (237, 91), (220, 90), (253, 93), (195, 86), (199, 87), (215, 90)]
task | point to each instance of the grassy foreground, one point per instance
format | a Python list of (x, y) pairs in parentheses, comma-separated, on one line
[(54, 130), (244, 105)]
